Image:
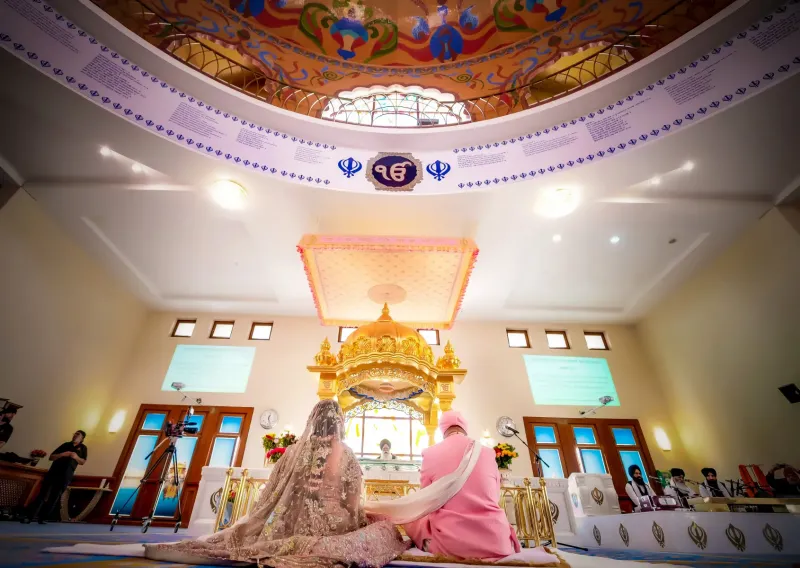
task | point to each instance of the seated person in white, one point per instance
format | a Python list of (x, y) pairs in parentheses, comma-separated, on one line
[(637, 487), (678, 488), (711, 487), (386, 450)]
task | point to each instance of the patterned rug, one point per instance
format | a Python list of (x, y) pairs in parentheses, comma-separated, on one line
[(21, 546)]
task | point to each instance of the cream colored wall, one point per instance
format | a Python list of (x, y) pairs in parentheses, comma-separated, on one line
[(66, 329), (497, 383), (723, 344)]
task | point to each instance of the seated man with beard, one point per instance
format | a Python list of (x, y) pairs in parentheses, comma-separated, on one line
[(471, 524)]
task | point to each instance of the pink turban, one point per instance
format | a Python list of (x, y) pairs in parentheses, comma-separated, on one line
[(452, 418)]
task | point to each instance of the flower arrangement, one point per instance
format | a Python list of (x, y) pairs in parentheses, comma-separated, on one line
[(232, 496), (38, 454), (275, 446), (503, 454)]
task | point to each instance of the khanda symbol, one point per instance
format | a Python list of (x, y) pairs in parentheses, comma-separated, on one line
[(349, 166), (438, 169)]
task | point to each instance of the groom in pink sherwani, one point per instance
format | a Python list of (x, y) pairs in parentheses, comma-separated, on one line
[(471, 524)]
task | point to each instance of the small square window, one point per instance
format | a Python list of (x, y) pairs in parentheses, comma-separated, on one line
[(184, 328), (260, 331), (344, 333), (222, 330), (596, 340), (431, 336), (557, 339), (518, 338)]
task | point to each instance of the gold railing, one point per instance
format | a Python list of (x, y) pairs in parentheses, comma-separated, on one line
[(527, 508), (416, 110)]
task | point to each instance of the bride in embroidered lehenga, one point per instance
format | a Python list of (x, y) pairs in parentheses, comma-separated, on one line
[(309, 514)]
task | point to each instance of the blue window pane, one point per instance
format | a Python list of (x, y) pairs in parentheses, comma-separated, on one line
[(593, 461), (632, 457), (153, 421), (168, 500), (544, 434), (624, 436), (195, 420), (553, 459), (134, 471), (231, 425), (584, 435), (222, 454)]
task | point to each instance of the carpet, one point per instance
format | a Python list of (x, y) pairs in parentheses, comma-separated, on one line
[(21, 547)]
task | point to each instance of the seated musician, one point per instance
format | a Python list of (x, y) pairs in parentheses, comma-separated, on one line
[(637, 487), (784, 480), (678, 487), (711, 487)]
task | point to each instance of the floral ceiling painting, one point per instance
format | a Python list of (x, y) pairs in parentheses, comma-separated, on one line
[(470, 48)]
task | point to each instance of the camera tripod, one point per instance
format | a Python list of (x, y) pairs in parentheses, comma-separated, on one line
[(167, 459)]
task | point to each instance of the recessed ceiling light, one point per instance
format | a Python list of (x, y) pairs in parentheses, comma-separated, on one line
[(688, 166), (137, 168), (655, 180), (556, 238), (228, 194), (105, 151), (557, 202), (614, 240)]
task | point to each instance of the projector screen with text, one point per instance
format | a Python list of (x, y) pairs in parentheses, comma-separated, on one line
[(210, 368), (573, 381)]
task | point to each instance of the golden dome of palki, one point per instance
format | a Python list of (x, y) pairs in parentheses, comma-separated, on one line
[(386, 336)]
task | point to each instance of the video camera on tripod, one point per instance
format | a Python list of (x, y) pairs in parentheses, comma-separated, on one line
[(178, 429)]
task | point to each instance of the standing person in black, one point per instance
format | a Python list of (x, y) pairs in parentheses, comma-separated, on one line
[(7, 414), (66, 458)]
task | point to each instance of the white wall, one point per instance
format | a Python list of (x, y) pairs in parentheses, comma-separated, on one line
[(725, 341), (66, 329), (496, 384)]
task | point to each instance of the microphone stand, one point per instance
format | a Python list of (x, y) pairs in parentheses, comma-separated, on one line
[(537, 459)]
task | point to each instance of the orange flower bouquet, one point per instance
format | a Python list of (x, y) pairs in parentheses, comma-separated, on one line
[(503, 454)]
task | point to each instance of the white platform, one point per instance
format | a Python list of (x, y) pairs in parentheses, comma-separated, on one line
[(671, 531)]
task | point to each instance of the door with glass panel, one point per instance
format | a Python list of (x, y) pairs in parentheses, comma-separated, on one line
[(219, 440)]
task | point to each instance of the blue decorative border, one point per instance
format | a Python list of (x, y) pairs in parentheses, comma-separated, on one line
[(437, 165)]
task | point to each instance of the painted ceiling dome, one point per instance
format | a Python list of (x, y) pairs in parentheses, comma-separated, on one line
[(470, 48), (385, 335)]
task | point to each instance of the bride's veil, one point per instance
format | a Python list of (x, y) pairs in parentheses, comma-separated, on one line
[(314, 490)]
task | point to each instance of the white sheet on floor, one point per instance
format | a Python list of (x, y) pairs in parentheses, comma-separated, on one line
[(135, 550)]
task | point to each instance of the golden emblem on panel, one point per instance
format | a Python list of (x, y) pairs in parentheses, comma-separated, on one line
[(658, 533), (623, 534), (773, 537), (698, 535), (597, 496), (596, 535), (736, 538)]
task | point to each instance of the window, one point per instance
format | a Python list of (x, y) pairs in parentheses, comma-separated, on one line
[(596, 340), (591, 455), (629, 451), (365, 430), (260, 331), (557, 339), (184, 328), (344, 333), (431, 336), (222, 330), (226, 440), (548, 446), (518, 338)]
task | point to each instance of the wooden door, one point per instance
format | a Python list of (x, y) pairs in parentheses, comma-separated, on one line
[(591, 445), (220, 440)]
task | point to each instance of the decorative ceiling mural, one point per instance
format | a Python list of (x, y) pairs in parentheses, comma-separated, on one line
[(423, 278), (470, 48)]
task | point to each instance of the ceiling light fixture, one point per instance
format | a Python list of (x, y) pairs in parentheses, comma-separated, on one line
[(228, 194), (556, 238), (137, 168), (557, 202), (614, 240), (688, 166), (655, 180), (105, 151)]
